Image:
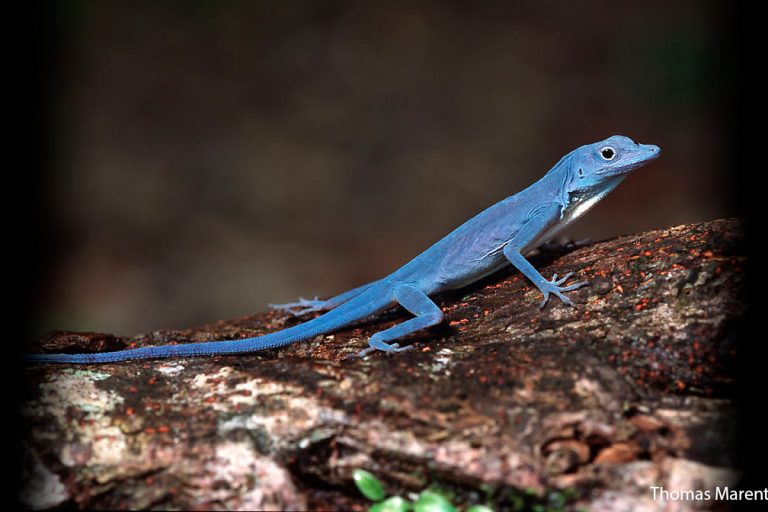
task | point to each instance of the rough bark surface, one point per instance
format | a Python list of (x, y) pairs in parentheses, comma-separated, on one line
[(507, 402)]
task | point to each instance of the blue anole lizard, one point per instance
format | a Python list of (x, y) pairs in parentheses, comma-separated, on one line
[(494, 238)]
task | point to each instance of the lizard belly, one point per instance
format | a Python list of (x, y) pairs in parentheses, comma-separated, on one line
[(472, 270)]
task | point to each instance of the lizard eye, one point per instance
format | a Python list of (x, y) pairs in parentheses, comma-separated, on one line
[(607, 153), (581, 172)]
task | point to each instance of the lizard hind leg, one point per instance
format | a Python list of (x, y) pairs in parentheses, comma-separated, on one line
[(416, 302)]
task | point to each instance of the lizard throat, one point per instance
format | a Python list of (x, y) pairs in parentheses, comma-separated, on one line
[(581, 201)]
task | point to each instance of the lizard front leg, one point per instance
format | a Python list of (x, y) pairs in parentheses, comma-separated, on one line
[(538, 220), (544, 286)]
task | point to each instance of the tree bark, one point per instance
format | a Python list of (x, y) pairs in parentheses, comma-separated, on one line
[(633, 388)]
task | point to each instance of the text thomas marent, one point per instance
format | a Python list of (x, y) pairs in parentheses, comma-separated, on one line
[(718, 493)]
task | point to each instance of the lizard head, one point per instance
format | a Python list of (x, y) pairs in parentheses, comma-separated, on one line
[(603, 162)]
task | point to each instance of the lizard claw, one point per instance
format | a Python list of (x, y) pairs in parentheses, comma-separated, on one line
[(554, 288), (301, 307), (384, 347)]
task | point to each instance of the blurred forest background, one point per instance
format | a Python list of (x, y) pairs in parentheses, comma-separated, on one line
[(202, 159)]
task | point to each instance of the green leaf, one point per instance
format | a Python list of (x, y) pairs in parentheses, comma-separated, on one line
[(391, 504), (430, 501), (556, 499), (369, 485), (479, 508)]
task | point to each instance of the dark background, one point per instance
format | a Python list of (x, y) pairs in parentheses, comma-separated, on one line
[(201, 159)]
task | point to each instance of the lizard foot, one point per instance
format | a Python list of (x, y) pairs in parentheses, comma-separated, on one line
[(554, 288), (384, 347), (301, 307)]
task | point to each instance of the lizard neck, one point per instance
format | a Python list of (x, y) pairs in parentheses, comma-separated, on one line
[(557, 182)]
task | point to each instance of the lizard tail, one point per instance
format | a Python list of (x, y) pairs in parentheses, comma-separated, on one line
[(360, 307)]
